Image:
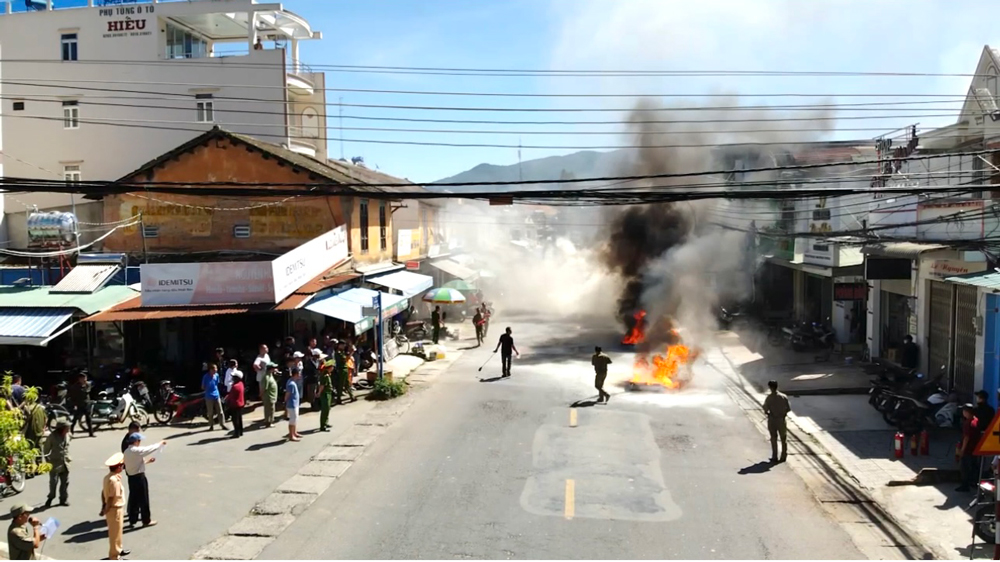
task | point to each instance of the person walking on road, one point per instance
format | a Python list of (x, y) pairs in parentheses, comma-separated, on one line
[(486, 319), (477, 322), (213, 401), (506, 346), (600, 361), (325, 393), (113, 505), (235, 400), (437, 317), (260, 367), (138, 486), (777, 408), (57, 447), (342, 382), (269, 393), (79, 399), (24, 535), (292, 398)]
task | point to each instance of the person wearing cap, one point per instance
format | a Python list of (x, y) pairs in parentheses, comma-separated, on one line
[(310, 374), (235, 400), (138, 486), (133, 427), (296, 361), (292, 397), (269, 393), (213, 401), (24, 534), (57, 447), (113, 505), (342, 377), (325, 394)]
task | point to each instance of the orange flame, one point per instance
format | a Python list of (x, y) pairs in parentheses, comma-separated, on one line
[(662, 369), (638, 332)]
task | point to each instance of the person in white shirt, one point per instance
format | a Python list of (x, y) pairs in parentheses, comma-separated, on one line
[(232, 370), (138, 487), (260, 368)]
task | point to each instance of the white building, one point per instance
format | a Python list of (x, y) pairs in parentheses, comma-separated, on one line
[(91, 93)]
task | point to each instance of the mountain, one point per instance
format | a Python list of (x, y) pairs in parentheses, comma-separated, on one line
[(584, 164)]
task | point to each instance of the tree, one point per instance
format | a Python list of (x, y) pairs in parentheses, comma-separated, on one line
[(13, 445)]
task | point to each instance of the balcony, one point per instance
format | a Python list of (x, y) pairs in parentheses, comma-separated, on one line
[(298, 82), (297, 143)]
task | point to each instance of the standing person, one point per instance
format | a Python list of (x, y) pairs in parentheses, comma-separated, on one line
[(79, 399), (477, 322), (24, 534), (292, 404), (486, 319), (34, 426), (16, 390), (57, 447), (138, 486), (600, 361), (971, 432), (506, 345), (132, 428), (213, 402), (911, 354), (113, 505), (269, 393), (231, 371), (325, 394), (343, 374), (436, 319), (984, 412), (777, 408), (235, 401), (260, 367)]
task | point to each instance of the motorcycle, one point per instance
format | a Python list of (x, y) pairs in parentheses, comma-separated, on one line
[(983, 510), (105, 411), (13, 478), (728, 316)]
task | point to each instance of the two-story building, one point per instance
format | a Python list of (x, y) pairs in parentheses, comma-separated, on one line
[(90, 92)]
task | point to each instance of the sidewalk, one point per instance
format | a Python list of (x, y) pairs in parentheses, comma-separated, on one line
[(798, 373), (858, 439)]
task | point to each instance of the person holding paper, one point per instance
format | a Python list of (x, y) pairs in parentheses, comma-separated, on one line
[(24, 534), (138, 487), (113, 505)]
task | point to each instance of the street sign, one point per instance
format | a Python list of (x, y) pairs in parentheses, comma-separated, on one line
[(412, 265), (989, 443)]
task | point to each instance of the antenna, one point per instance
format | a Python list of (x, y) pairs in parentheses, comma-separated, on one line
[(341, 107), (520, 175)]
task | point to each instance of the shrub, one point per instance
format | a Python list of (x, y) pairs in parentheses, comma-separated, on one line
[(385, 389), (12, 441)]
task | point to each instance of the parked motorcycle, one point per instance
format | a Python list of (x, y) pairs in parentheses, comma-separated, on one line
[(983, 510), (124, 408), (917, 405), (12, 478)]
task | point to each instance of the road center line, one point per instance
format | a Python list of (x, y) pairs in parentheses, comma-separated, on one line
[(570, 499), (572, 417)]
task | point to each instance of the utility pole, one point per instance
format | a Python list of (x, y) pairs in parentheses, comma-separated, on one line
[(341, 108), (520, 175)]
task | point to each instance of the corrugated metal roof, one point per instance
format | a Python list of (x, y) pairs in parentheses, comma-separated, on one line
[(31, 326), (903, 250), (406, 282), (85, 279), (133, 310), (455, 269), (985, 279), (43, 297)]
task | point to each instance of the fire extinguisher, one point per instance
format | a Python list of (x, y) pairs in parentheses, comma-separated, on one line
[(925, 443), (897, 444)]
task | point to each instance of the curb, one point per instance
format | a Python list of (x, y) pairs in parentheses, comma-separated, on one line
[(248, 537), (817, 458)]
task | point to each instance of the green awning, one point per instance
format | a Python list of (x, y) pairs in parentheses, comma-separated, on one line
[(42, 297), (985, 279)]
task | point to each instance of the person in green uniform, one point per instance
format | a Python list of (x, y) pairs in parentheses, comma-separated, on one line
[(57, 446), (325, 393), (24, 534), (35, 418), (343, 375), (269, 393)]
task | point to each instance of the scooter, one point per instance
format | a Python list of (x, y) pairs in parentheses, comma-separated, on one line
[(983, 510), (12, 479), (112, 412)]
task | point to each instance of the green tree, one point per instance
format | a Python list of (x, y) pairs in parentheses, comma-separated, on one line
[(12, 441)]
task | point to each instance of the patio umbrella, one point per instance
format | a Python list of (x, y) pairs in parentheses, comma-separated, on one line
[(444, 295), (461, 285)]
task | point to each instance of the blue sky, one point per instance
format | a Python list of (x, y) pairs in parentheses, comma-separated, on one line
[(833, 35)]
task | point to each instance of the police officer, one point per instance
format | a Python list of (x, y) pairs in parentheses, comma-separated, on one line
[(776, 408), (57, 446), (24, 534), (600, 361), (325, 393)]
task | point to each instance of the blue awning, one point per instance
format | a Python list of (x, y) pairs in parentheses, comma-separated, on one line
[(406, 282), (348, 306), (31, 326)]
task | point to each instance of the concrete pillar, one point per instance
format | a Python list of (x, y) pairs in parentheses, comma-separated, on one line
[(296, 67), (873, 328)]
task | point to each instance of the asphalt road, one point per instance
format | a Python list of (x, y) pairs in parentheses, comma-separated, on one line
[(505, 469)]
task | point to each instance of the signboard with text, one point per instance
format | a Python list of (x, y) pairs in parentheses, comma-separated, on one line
[(850, 291), (297, 267), (942, 269)]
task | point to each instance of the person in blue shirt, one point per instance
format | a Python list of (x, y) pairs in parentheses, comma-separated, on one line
[(213, 401), (292, 398)]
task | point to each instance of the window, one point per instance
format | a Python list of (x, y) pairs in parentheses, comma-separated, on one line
[(206, 108), (71, 115), (821, 214), (69, 46), (241, 231), (381, 225), (149, 231), (19, 106), (364, 226), (71, 173), (182, 44)]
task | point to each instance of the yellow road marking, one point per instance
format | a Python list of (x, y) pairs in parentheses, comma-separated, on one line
[(570, 499), (572, 417)]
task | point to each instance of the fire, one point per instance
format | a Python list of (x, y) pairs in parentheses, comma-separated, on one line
[(663, 368), (638, 332)]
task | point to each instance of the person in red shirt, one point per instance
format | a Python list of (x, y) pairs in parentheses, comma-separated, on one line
[(966, 449), (235, 400)]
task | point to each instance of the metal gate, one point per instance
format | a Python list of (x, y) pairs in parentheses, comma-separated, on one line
[(939, 332), (966, 298)]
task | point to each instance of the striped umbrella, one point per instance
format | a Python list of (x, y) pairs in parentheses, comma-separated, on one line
[(461, 285), (444, 295)]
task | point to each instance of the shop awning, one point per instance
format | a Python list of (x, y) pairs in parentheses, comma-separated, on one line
[(901, 250), (349, 307), (133, 310), (31, 326), (455, 269), (406, 282), (985, 279)]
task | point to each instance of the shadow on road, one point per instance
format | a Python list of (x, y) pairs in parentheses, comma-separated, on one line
[(493, 379), (180, 435), (585, 403), (209, 440), (87, 531), (757, 468), (259, 446)]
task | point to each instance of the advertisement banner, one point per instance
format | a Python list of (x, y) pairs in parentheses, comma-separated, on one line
[(302, 264), (174, 284)]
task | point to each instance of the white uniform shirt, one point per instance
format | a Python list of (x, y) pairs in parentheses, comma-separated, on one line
[(229, 377), (135, 462)]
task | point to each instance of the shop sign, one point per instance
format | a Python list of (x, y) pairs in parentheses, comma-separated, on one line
[(128, 21), (850, 291), (412, 265), (173, 284), (297, 267), (942, 269)]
